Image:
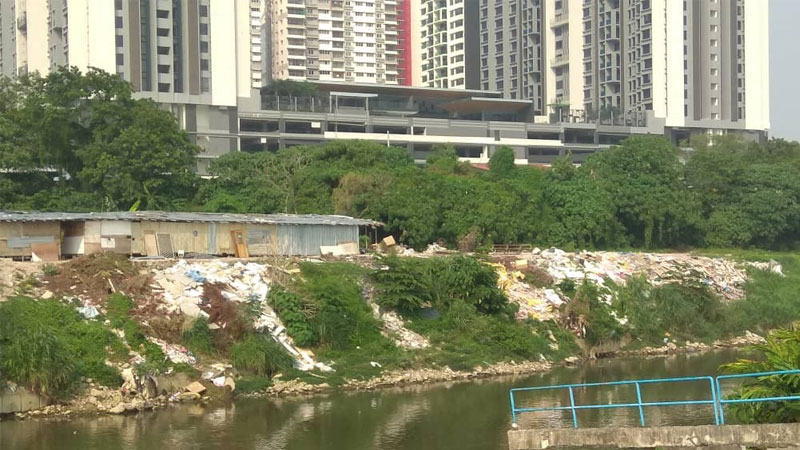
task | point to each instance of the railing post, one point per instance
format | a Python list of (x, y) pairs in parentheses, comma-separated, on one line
[(572, 407), (721, 407), (714, 400), (639, 402), (513, 408)]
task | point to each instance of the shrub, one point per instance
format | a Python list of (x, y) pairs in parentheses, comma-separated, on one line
[(411, 283), (342, 319), (259, 355), (295, 315), (781, 351), (686, 311), (198, 337), (403, 283), (50, 270), (588, 312)]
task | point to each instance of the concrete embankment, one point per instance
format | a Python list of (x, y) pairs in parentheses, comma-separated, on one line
[(703, 436)]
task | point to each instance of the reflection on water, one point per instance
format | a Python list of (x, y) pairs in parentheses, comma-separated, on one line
[(469, 415)]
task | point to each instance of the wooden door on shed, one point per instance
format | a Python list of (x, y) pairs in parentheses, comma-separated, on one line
[(239, 244), (150, 243)]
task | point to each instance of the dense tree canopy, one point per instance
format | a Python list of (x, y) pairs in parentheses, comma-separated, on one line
[(81, 142), (72, 141)]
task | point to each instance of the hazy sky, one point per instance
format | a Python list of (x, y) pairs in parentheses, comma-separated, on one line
[(784, 68)]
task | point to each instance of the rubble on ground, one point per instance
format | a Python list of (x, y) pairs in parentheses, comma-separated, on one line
[(204, 288), (725, 277), (393, 325)]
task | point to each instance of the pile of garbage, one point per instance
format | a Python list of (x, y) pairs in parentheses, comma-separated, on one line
[(725, 277), (534, 302), (198, 288)]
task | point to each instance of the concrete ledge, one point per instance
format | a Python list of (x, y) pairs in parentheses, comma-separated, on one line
[(767, 435)]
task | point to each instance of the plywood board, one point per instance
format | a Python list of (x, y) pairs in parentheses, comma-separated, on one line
[(41, 229), (107, 243), (72, 245), (150, 244), (45, 251), (92, 232), (123, 245), (239, 244)]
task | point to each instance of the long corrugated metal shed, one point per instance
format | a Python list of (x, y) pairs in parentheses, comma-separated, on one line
[(160, 216)]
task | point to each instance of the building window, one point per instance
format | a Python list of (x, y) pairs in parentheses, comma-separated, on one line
[(120, 59), (163, 87)]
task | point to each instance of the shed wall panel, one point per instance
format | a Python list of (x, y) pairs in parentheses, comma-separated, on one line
[(137, 239), (10, 229), (191, 237), (115, 228), (307, 239)]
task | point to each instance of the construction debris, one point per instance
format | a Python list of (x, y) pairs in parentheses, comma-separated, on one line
[(212, 288), (389, 241), (196, 387), (725, 277)]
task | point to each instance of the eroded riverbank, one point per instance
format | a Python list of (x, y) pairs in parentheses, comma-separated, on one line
[(471, 415)]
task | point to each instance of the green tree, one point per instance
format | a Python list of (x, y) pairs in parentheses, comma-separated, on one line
[(644, 178), (501, 164), (80, 141)]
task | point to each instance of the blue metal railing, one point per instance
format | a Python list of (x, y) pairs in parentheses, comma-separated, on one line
[(640, 405), (716, 400), (723, 401)]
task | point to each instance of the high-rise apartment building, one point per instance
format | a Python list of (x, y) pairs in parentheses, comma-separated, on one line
[(511, 49), (693, 64), (449, 44), (333, 40)]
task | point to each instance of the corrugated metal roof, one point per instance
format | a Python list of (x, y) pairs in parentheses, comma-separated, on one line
[(161, 216)]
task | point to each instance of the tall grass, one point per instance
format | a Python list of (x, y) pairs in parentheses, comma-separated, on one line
[(48, 346), (259, 355)]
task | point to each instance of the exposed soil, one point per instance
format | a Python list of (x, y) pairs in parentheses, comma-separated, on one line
[(94, 277)]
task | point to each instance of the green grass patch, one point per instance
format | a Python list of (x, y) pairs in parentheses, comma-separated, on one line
[(249, 385), (198, 338), (47, 346), (259, 355), (462, 338)]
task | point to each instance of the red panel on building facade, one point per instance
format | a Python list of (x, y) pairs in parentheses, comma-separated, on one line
[(404, 42)]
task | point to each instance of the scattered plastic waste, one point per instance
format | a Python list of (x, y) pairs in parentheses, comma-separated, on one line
[(88, 311)]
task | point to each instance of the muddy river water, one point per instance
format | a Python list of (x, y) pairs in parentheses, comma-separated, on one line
[(470, 415)]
